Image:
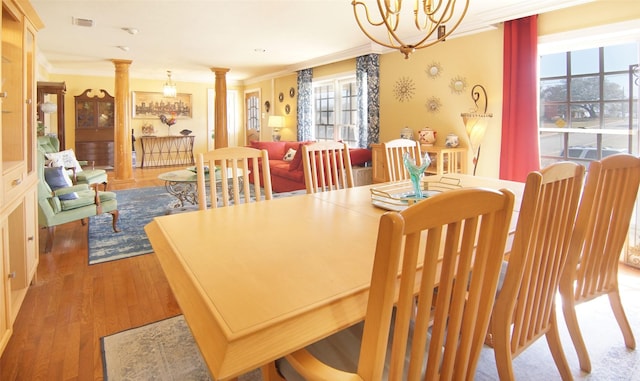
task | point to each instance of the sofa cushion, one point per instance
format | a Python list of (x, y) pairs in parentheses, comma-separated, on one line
[(296, 163), (359, 156), (280, 168), (56, 178), (66, 158), (289, 155), (275, 149)]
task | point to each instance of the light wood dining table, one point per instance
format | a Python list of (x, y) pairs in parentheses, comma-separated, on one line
[(257, 281)]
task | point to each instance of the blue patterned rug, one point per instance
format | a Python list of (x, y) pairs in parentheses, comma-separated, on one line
[(137, 208)]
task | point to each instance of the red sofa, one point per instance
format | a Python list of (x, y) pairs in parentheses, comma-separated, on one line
[(288, 175)]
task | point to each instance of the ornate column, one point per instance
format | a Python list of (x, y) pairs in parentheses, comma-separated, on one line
[(122, 130), (221, 139)]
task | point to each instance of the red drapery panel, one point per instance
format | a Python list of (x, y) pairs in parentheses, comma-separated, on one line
[(520, 151)]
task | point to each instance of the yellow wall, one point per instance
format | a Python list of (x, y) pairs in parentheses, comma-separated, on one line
[(476, 58)]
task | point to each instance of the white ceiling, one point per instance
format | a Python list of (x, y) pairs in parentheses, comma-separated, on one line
[(253, 38)]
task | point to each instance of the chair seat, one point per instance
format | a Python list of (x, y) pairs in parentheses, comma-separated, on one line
[(91, 176), (342, 351)]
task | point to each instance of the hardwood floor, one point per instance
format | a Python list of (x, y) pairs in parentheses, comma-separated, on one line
[(71, 305)]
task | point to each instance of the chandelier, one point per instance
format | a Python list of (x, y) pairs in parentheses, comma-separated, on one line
[(169, 89), (429, 17)]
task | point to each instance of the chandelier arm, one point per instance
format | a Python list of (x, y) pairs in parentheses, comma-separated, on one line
[(420, 45)]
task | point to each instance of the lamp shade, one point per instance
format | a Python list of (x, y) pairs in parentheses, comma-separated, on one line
[(275, 121)]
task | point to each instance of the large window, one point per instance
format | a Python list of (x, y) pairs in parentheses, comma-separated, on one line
[(335, 110), (588, 103)]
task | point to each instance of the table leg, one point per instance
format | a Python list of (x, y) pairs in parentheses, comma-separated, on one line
[(183, 191)]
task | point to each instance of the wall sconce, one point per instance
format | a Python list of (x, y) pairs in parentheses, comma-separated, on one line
[(276, 122), (169, 90), (476, 123), (48, 107)]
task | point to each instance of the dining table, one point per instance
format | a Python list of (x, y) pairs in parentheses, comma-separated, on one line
[(260, 280)]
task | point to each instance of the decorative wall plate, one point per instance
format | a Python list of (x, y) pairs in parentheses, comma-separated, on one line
[(287, 109), (267, 106), (458, 84), (281, 97), (404, 89), (292, 92)]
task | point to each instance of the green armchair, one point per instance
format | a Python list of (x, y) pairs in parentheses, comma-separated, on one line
[(55, 207), (51, 145)]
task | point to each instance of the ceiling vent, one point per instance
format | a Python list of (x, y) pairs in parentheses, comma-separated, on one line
[(82, 22)]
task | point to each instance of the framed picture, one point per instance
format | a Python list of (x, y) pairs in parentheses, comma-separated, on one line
[(151, 105)]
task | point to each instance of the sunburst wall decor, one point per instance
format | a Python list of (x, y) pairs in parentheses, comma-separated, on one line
[(433, 104), (404, 89)]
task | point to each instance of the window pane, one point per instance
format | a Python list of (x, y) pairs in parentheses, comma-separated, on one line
[(585, 115), (553, 65), (585, 61), (619, 57), (553, 90), (553, 115), (616, 87), (616, 115), (585, 89)]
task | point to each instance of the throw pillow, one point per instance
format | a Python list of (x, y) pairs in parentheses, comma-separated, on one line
[(289, 155), (56, 178), (66, 158)]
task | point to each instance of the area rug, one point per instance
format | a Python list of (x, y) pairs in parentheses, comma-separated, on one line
[(137, 208), (166, 350), (162, 351)]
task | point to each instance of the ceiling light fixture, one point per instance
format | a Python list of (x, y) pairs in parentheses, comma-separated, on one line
[(131, 30), (169, 89), (82, 22), (429, 17), (123, 48)]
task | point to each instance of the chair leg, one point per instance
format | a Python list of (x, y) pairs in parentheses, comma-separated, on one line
[(571, 319), (270, 373), (555, 346), (115, 215), (502, 351), (49, 244), (621, 317)]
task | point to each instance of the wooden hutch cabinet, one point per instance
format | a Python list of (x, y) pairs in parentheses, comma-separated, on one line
[(95, 128), (18, 188)]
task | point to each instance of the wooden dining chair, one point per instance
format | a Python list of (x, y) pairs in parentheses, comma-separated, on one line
[(238, 170), (327, 166), (525, 305), (600, 231), (434, 243), (394, 151)]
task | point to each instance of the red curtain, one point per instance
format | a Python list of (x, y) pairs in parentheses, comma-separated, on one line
[(520, 151)]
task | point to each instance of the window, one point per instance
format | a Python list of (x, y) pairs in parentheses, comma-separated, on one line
[(335, 111), (588, 103)]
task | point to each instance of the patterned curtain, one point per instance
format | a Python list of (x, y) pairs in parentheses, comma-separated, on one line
[(368, 84), (520, 152), (305, 78)]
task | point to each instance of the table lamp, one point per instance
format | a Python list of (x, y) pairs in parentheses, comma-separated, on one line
[(276, 122)]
